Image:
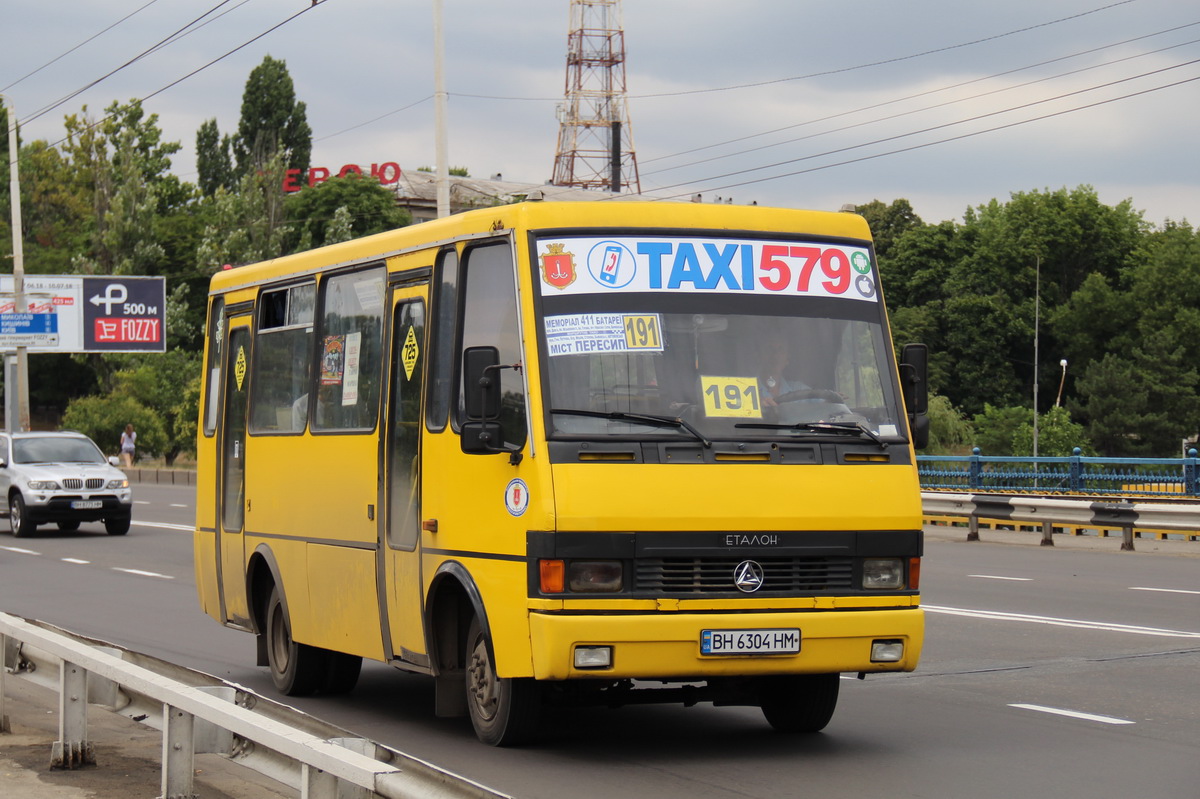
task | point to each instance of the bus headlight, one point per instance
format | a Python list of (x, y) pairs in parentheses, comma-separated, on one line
[(887, 650), (593, 657), (594, 576), (883, 573)]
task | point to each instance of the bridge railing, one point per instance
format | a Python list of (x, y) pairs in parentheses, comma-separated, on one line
[(198, 714), (1075, 475)]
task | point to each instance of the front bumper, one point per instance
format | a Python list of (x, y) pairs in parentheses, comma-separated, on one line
[(45, 508), (667, 645)]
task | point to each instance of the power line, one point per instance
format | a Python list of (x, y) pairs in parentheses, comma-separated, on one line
[(938, 127), (925, 144), (179, 34), (921, 94), (511, 98), (76, 47), (918, 110), (219, 58), (376, 119), (887, 61), (825, 73)]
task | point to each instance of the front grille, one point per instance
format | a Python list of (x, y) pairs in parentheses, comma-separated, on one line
[(76, 483), (715, 575)]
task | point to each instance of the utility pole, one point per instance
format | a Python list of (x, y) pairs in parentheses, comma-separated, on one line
[(595, 139), (14, 184), (1037, 310), (439, 112)]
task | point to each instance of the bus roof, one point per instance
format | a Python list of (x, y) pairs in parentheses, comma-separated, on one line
[(534, 215)]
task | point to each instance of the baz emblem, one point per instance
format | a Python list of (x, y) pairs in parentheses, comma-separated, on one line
[(748, 576)]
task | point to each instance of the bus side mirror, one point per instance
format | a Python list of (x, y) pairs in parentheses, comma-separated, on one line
[(482, 433), (914, 383), (481, 383)]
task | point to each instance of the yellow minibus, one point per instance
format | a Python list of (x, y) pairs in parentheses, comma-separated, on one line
[(569, 455)]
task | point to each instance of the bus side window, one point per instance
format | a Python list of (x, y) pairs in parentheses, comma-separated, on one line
[(216, 337), (490, 319), (283, 348), (350, 351), (445, 312)]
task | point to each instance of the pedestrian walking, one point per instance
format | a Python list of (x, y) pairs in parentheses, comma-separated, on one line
[(128, 446)]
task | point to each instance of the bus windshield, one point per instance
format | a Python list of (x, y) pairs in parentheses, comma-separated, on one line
[(714, 358)]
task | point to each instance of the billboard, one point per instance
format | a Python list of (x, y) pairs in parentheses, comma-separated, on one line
[(66, 313)]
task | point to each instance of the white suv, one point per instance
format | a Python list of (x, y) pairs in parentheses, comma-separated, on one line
[(61, 477)]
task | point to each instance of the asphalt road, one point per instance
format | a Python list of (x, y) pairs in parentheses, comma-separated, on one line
[(1068, 672)]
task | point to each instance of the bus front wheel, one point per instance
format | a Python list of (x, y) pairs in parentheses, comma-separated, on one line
[(799, 703), (504, 711), (296, 669)]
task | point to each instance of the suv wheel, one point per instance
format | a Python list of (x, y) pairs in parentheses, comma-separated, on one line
[(22, 526), (117, 525)]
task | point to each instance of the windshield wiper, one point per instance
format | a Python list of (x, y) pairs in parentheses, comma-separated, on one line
[(647, 418), (857, 428)]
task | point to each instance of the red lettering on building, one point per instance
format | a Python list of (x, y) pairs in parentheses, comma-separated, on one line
[(317, 174), (386, 173), (291, 180)]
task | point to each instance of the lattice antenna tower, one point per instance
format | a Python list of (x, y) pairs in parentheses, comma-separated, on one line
[(595, 139)]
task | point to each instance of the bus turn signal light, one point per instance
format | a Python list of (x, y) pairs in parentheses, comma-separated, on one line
[(552, 574)]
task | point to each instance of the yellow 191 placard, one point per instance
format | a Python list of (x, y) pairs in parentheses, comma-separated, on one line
[(731, 396), (642, 332)]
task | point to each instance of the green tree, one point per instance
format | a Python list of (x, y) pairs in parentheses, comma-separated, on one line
[(369, 208), (163, 383), (888, 223), (1058, 436), (214, 164), (1141, 405), (994, 427), (246, 225), (125, 163), (104, 417), (272, 122), (949, 431)]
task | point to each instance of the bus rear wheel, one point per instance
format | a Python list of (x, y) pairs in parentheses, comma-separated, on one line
[(800, 702), (296, 669), (504, 711)]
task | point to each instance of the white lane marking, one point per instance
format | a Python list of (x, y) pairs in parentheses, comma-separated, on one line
[(998, 577), (996, 615), (21, 551), (75, 560), (165, 526), (178, 505), (1164, 590), (141, 573), (141, 502), (1075, 714)]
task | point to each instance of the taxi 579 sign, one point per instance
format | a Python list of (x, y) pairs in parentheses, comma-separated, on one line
[(84, 314)]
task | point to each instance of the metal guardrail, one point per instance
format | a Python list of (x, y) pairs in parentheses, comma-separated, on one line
[(1077, 475), (199, 714), (1056, 511)]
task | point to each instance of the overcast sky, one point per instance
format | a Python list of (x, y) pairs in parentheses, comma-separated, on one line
[(800, 103)]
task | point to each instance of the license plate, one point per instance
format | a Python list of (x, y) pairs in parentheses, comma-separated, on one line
[(87, 504), (749, 642)]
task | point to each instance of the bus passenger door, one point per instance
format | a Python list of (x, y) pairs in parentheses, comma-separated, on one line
[(231, 495), (401, 455)]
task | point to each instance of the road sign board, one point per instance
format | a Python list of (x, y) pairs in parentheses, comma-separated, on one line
[(67, 313)]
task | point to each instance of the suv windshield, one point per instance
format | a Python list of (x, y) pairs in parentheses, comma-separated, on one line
[(55, 449), (713, 339)]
